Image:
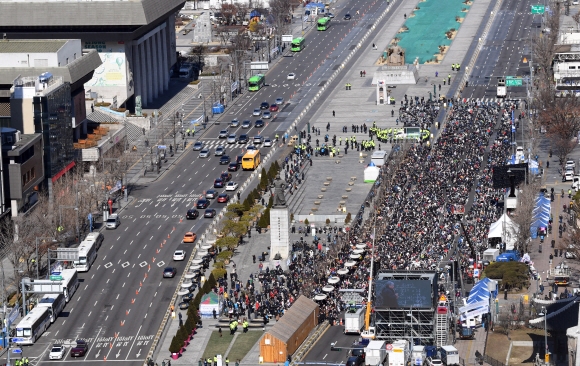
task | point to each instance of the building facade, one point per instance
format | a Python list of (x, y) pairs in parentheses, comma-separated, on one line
[(135, 40), (22, 169)]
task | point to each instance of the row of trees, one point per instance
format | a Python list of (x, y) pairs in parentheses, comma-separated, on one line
[(59, 219)]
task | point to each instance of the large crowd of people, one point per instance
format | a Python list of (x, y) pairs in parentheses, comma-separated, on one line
[(414, 223)]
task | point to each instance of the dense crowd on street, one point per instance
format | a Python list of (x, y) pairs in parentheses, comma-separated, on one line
[(416, 225)]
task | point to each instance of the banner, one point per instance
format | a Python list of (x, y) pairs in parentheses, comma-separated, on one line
[(476, 305)]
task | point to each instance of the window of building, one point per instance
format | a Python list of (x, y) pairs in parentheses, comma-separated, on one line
[(572, 67), (32, 173), (26, 155)]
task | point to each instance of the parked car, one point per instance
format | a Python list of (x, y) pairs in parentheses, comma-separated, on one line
[(113, 222)]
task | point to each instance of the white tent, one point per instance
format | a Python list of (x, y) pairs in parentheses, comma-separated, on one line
[(371, 173), (506, 229)]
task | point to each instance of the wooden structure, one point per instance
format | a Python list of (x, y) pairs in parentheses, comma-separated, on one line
[(290, 331)]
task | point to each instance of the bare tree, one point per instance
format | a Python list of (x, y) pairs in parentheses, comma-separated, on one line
[(523, 217), (229, 12), (280, 9)]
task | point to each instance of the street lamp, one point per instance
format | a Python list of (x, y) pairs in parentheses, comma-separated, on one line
[(544, 313), (38, 238)]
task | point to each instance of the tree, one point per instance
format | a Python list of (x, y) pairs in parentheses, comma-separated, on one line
[(523, 216), (280, 10), (229, 12), (237, 208), (264, 179), (175, 346), (229, 242), (235, 229), (224, 255), (183, 334)]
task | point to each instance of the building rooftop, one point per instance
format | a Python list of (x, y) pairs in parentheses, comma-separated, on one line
[(74, 72), (84, 13), (26, 140), (30, 46)]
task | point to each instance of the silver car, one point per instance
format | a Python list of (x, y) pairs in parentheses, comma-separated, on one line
[(235, 123), (219, 151), (267, 115), (232, 139), (257, 112), (267, 142), (204, 153), (223, 134), (198, 145)]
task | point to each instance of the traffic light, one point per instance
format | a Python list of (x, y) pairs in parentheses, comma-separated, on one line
[(334, 348)]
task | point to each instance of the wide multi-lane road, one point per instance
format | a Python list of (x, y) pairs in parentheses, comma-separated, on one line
[(508, 45), (122, 299)]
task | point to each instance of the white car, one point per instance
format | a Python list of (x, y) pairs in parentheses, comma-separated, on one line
[(291, 76), (57, 352), (257, 112), (231, 186), (267, 115), (434, 362), (267, 142), (198, 145), (570, 164), (179, 255), (568, 176), (232, 139), (279, 100)]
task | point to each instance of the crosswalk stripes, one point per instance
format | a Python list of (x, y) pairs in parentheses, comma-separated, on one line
[(212, 144), (489, 100)]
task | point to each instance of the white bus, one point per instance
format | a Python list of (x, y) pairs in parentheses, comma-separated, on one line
[(87, 255), (32, 326), (54, 303), (67, 286)]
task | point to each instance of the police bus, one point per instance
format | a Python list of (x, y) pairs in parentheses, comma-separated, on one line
[(32, 326), (54, 303)]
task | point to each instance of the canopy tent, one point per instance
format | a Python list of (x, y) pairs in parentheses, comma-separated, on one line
[(314, 5), (255, 14), (506, 229), (209, 303), (541, 214), (371, 173)]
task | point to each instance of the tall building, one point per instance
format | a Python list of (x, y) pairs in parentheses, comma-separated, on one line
[(135, 40)]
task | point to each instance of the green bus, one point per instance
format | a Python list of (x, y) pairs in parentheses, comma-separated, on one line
[(323, 23), (256, 82), (297, 44)]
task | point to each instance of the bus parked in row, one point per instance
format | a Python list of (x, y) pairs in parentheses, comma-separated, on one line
[(54, 303), (32, 326)]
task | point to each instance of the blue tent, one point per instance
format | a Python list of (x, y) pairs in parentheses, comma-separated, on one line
[(255, 14), (315, 5), (541, 215)]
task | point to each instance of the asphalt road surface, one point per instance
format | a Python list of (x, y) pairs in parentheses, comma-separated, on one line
[(508, 42), (120, 302)]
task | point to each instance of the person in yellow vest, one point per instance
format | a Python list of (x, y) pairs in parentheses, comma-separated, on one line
[(245, 325), (215, 360)]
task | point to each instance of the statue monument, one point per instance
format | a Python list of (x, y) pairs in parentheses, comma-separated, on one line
[(279, 225), (279, 186)]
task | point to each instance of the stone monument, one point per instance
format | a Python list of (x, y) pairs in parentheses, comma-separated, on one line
[(279, 225)]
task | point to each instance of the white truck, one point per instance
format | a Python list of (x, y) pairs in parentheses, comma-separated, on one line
[(418, 356), (186, 70), (398, 353), (375, 353), (449, 355), (354, 320), (490, 255)]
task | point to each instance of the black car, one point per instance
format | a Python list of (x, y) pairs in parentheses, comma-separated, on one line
[(239, 159), (358, 350), (209, 213), (202, 203), (347, 16), (218, 183), (243, 139), (259, 123), (192, 214), (264, 105), (224, 160), (169, 272), (355, 361), (233, 167), (226, 176)]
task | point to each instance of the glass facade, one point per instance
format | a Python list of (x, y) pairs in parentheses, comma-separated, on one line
[(53, 118)]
